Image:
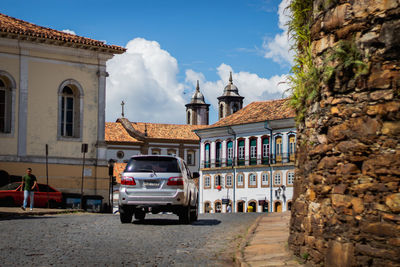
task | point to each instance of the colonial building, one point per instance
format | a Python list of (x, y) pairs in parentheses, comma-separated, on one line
[(52, 93), (247, 159), (125, 139)]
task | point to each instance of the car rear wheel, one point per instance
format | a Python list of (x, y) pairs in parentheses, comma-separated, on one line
[(125, 214), (194, 213), (139, 215), (184, 215), (7, 202)]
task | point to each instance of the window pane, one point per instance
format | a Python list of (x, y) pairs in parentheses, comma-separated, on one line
[(253, 142), (69, 116), (67, 91), (69, 129), (70, 103)]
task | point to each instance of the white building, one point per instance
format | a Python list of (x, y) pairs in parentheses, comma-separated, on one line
[(247, 159)]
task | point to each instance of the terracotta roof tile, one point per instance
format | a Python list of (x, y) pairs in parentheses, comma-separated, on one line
[(168, 131), (20, 27), (118, 170), (115, 132), (257, 112)]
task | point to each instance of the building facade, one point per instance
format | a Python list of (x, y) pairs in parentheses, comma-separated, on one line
[(125, 139), (52, 93), (247, 160)]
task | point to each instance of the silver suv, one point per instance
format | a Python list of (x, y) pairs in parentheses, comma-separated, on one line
[(154, 183)]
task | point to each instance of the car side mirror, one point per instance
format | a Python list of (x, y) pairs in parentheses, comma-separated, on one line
[(196, 175)]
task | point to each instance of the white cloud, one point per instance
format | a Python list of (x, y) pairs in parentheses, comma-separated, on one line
[(69, 31), (278, 48), (145, 78), (250, 85)]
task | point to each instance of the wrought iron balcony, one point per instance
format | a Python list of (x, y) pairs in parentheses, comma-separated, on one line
[(269, 160)]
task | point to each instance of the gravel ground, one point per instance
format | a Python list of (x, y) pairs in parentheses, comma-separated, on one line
[(101, 240)]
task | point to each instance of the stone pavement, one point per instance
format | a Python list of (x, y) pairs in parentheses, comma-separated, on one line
[(266, 244), (17, 211)]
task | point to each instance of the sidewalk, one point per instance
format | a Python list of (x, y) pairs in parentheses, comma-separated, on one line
[(266, 243), (17, 211)]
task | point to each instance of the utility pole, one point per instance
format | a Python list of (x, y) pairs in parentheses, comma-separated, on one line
[(84, 149)]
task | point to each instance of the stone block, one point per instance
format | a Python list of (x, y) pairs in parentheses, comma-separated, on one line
[(382, 229), (328, 163), (357, 205), (336, 18), (339, 200), (382, 94), (351, 146), (391, 128), (339, 254), (393, 202)]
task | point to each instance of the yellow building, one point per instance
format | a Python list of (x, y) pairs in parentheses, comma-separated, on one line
[(52, 91)]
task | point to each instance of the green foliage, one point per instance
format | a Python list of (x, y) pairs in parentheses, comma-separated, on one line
[(345, 57), (305, 78), (305, 256)]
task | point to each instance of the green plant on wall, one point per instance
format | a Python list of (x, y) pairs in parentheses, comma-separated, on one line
[(347, 60), (305, 76)]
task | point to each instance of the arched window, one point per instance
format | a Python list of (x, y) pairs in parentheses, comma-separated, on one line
[(290, 178), (240, 180), (228, 180), (207, 156), (252, 180), (264, 179), (5, 108), (207, 182), (189, 117), (229, 150), (235, 108), (277, 178), (218, 154), (218, 180), (7, 105), (221, 111), (70, 113)]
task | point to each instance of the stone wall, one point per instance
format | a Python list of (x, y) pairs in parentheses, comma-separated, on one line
[(347, 189)]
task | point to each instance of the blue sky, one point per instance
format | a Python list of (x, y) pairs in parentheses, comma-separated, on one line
[(173, 43)]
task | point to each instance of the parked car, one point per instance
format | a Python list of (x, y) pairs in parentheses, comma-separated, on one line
[(156, 183), (10, 195)]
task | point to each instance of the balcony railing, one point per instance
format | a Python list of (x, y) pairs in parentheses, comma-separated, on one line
[(247, 161)]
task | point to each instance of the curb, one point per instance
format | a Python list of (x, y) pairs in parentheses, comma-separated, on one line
[(5, 215), (239, 254)]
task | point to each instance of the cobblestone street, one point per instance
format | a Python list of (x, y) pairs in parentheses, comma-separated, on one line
[(100, 239)]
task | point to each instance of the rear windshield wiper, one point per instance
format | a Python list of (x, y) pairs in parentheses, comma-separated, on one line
[(146, 170)]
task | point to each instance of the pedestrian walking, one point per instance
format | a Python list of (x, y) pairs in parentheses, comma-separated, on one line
[(229, 209), (28, 185)]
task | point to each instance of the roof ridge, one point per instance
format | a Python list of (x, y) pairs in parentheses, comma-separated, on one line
[(24, 27)]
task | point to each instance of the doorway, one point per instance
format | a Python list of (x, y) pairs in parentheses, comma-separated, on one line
[(278, 206), (253, 206), (240, 206)]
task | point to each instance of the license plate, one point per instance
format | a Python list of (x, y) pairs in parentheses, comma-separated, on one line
[(151, 183)]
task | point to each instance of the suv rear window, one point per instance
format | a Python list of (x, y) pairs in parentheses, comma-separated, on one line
[(150, 164)]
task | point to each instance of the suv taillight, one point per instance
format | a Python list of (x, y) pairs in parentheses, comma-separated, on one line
[(126, 180), (175, 181)]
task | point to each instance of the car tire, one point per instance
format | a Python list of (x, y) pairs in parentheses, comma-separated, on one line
[(140, 215), (184, 215), (52, 204), (125, 214), (194, 213)]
